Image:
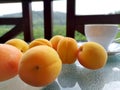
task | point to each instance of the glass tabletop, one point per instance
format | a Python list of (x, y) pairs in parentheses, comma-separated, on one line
[(76, 77)]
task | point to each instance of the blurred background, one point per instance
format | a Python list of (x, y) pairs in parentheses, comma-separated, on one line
[(83, 7)]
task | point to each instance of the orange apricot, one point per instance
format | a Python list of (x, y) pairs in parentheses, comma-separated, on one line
[(67, 49), (55, 40), (40, 66), (92, 55), (40, 41), (18, 43), (9, 60)]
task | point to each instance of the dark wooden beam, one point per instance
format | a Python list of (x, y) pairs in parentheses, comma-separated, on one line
[(48, 19), (98, 19), (70, 18), (27, 16), (12, 33), (9, 21)]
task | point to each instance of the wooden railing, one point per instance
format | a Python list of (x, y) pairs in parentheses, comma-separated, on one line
[(74, 22), (24, 23), (77, 22)]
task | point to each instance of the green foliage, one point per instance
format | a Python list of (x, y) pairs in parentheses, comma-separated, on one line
[(38, 32), (4, 29), (59, 30), (118, 36), (79, 36), (59, 26), (20, 36)]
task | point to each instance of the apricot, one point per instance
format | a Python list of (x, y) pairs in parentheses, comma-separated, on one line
[(67, 49), (9, 60), (40, 41), (92, 55), (40, 66), (55, 40), (18, 43)]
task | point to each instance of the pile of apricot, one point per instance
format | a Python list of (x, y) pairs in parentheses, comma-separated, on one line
[(39, 63)]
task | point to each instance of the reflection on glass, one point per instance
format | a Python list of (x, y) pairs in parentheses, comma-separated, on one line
[(68, 78)]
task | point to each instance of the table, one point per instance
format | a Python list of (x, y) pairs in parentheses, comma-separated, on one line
[(76, 77)]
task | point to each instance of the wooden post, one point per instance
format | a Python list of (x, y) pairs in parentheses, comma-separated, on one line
[(27, 18), (48, 18), (70, 29)]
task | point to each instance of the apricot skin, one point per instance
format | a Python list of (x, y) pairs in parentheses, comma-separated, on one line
[(55, 40), (40, 41), (40, 66), (18, 43), (67, 50), (92, 55), (9, 60)]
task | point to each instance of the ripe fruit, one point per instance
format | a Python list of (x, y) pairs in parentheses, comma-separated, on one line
[(92, 55), (67, 49), (9, 60), (18, 43), (40, 41), (55, 40), (40, 66)]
